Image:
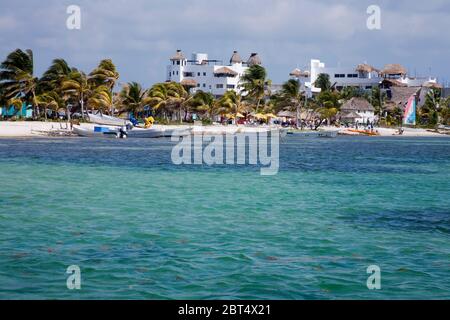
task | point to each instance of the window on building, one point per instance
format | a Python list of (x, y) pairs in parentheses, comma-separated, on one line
[(178, 62), (177, 72), (219, 86), (230, 86), (188, 74), (173, 72), (339, 75), (198, 85), (352, 75), (204, 74), (198, 74), (204, 85)]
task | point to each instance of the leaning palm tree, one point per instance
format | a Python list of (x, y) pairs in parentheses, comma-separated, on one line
[(49, 100), (17, 79), (169, 97), (133, 98), (231, 102), (101, 98), (75, 86), (254, 83), (179, 98), (104, 75), (204, 103), (58, 71), (159, 98)]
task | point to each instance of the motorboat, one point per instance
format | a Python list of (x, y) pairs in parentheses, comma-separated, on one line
[(107, 120), (100, 132)]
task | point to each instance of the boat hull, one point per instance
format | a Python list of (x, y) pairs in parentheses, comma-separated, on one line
[(107, 120), (82, 132)]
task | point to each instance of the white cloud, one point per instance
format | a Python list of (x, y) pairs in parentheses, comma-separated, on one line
[(140, 35)]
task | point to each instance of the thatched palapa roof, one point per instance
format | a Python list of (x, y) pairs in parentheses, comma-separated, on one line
[(235, 58), (357, 104), (400, 95), (364, 67), (432, 85), (254, 60), (226, 71), (394, 69), (189, 82), (393, 83), (178, 56), (299, 73)]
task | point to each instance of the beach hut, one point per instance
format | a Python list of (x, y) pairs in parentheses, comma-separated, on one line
[(358, 109), (25, 111)]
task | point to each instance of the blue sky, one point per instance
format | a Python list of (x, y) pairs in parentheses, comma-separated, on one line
[(141, 35)]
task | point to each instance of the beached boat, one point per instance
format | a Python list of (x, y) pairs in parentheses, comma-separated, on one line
[(177, 132), (99, 132), (145, 133), (107, 120)]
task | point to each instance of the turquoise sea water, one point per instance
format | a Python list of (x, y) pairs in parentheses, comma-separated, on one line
[(140, 227)]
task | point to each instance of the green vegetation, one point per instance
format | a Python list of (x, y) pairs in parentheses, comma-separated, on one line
[(66, 89)]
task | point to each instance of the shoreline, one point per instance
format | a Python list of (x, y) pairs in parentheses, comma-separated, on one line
[(29, 129)]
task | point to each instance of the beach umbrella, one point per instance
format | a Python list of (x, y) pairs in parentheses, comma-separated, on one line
[(240, 115), (260, 116), (271, 115)]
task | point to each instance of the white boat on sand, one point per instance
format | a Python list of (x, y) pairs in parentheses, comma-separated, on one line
[(107, 120), (103, 133)]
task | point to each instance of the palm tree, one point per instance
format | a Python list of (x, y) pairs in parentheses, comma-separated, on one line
[(159, 98), (167, 97), (101, 98), (231, 102), (105, 75), (133, 98), (292, 94), (58, 71), (17, 79), (179, 98), (254, 82), (429, 112), (204, 102), (75, 86), (49, 88), (49, 99), (323, 82)]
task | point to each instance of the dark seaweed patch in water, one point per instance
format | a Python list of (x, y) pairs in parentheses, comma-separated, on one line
[(417, 220)]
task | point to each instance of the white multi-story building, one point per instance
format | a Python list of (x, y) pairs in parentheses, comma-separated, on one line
[(201, 73), (363, 76)]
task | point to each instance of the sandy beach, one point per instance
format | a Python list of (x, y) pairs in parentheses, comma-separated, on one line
[(36, 129)]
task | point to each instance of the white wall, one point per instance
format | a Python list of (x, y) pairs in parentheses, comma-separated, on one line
[(203, 74)]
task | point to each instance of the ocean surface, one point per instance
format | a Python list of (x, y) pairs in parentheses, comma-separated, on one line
[(140, 227)]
